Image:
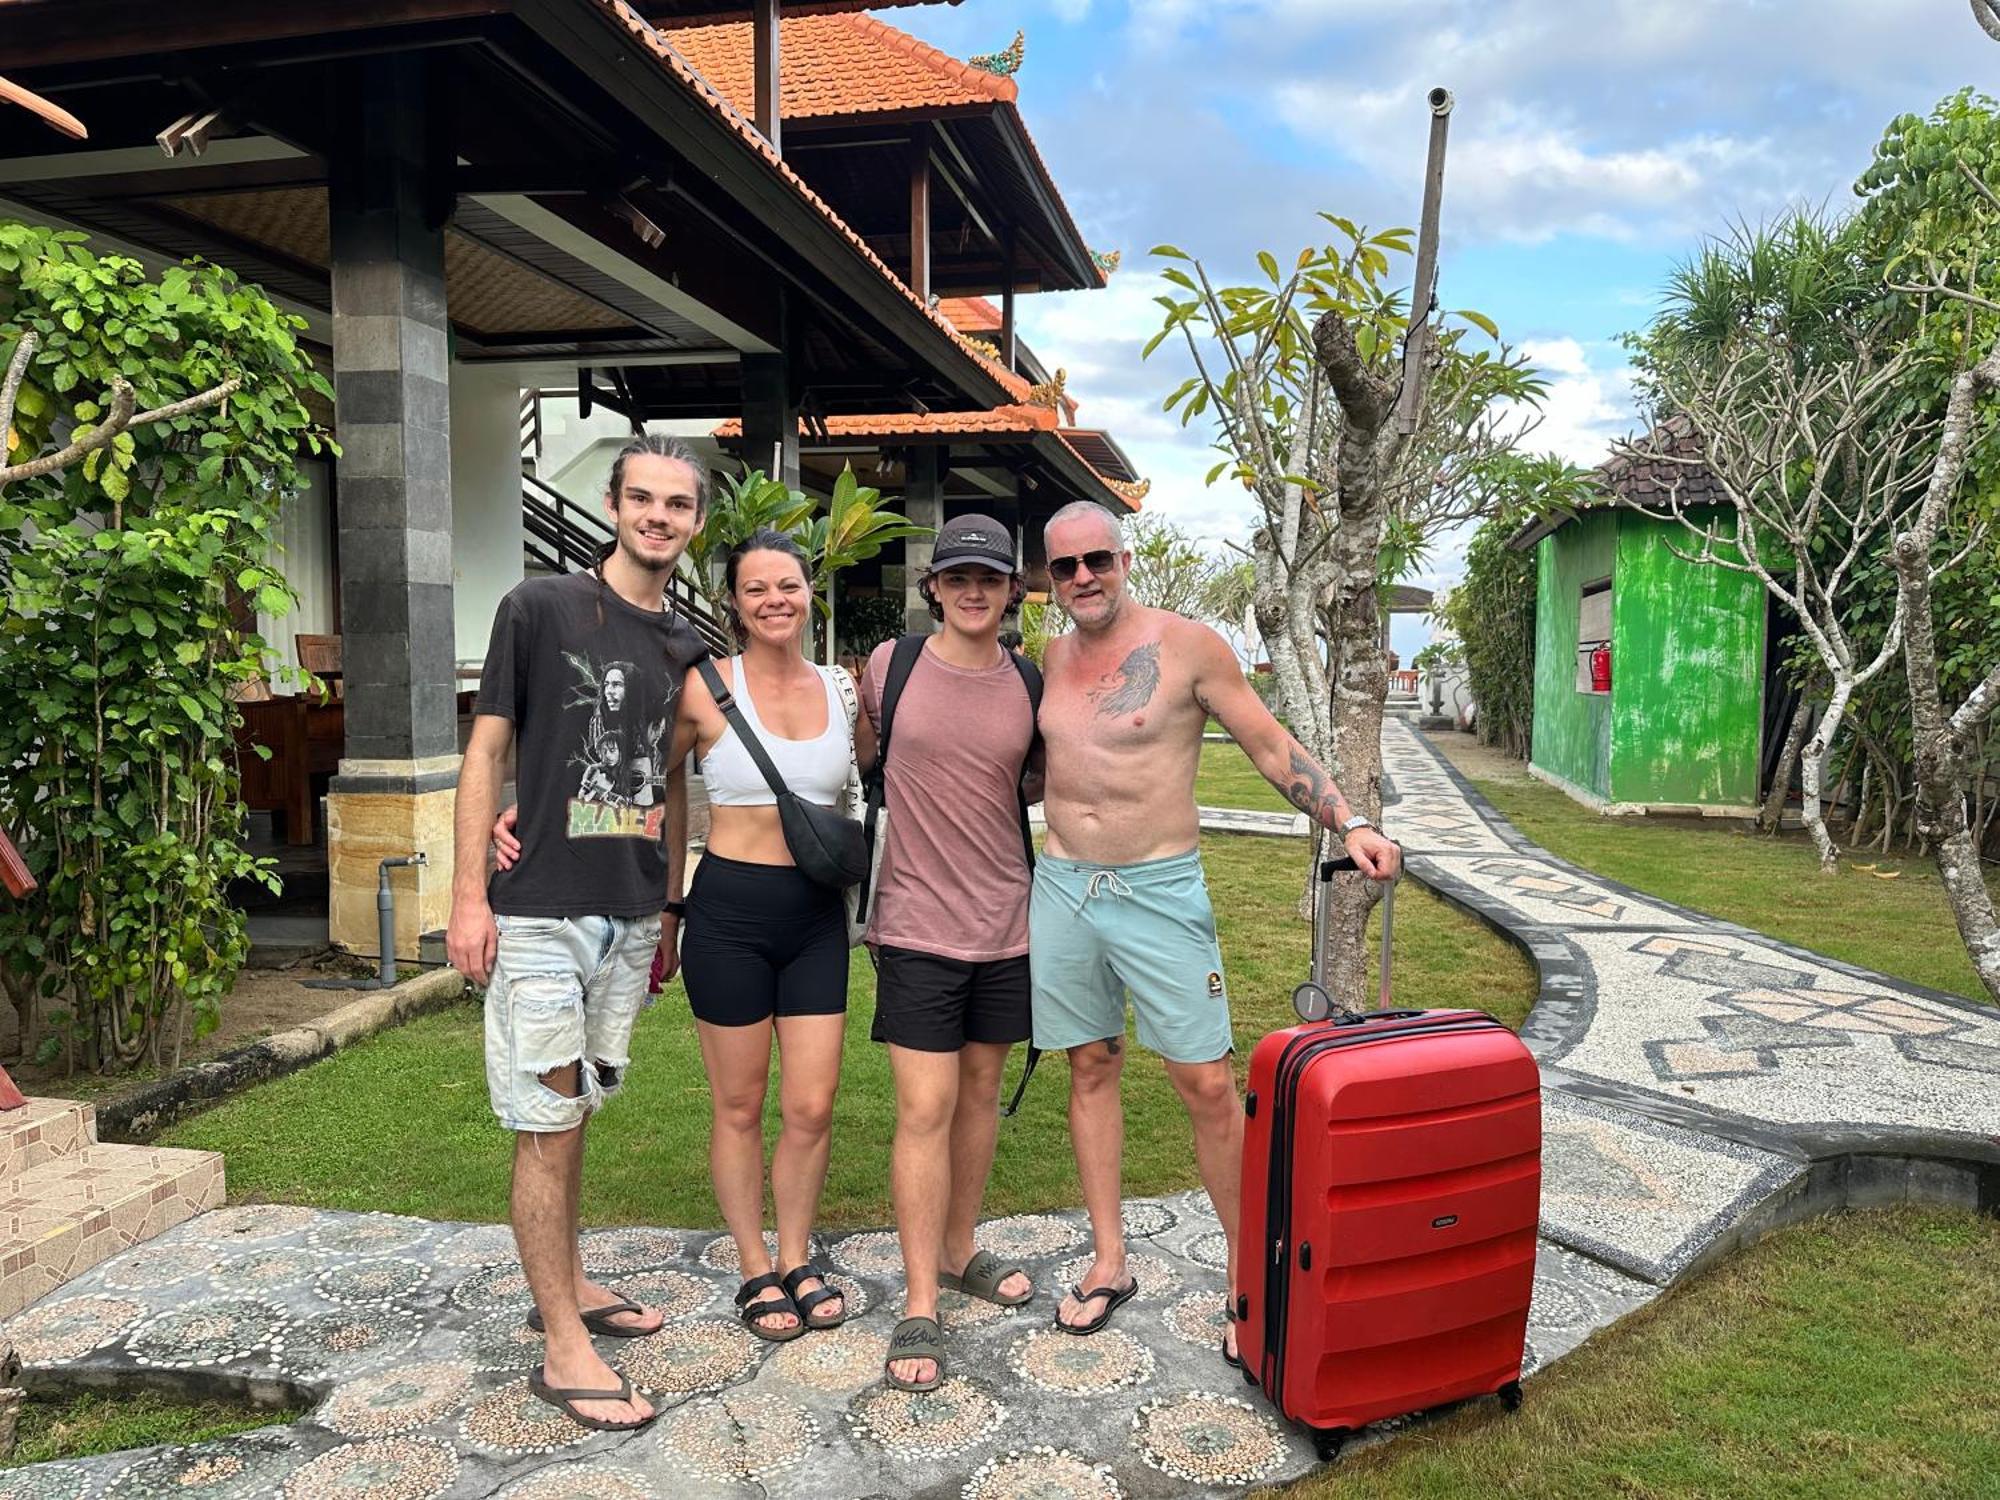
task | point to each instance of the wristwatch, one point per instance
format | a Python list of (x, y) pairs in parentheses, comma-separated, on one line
[(1359, 820), (676, 909)]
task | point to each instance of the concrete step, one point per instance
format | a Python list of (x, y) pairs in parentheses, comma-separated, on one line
[(60, 1218), (40, 1131)]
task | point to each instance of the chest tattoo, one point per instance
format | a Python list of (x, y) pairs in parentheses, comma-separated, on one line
[(1132, 686)]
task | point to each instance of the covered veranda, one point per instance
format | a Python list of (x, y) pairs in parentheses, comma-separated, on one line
[(463, 200)]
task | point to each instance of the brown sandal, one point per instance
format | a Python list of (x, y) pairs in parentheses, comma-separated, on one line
[(565, 1401)]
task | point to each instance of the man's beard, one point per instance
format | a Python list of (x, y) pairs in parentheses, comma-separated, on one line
[(645, 564)]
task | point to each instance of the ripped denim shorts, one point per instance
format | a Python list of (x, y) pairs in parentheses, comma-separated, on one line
[(564, 990)]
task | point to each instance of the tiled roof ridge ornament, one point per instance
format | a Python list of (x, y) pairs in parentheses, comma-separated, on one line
[(1107, 260), (1049, 393), (1134, 490), (1003, 64), (986, 347)]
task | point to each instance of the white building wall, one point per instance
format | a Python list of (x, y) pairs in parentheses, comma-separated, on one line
[(485, 500)]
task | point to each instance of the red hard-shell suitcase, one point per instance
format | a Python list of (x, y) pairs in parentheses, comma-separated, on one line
[(1391, 1189)]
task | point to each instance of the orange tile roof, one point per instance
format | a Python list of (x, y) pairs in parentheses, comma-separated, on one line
[(621, 13), (999, 419), (835, 67), (970, 314), (840, 65)]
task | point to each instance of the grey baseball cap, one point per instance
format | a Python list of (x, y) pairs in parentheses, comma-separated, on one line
[(974, 539)]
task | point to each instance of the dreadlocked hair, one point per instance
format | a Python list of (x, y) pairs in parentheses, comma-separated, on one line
[(763, 539), (656, 445)]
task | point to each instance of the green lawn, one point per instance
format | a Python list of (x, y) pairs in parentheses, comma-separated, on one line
[(111, 1421), (1901, 926), (1227, 779), (401, 1121), (1847, 1358)]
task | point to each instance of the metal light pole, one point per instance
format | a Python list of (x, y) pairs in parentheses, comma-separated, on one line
[(1416, 343)]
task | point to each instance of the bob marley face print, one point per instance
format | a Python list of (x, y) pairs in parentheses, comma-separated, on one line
[(620, 784)]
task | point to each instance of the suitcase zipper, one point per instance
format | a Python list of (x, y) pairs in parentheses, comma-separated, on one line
[(1292, 1062)]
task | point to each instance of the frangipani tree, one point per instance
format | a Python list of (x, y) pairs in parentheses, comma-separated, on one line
[(1299, 377)]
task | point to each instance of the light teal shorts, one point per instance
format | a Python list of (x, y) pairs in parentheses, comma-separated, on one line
[(1096, 931)]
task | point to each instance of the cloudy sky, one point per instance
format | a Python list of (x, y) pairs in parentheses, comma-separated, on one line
[(1594, 143)]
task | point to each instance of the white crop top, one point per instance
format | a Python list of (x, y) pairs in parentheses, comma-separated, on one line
[(816, 770)]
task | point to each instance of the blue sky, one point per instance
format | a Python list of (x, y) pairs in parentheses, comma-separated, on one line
[(1594, 143)]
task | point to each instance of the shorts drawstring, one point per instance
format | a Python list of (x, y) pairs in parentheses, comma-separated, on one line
[(1103, 880)]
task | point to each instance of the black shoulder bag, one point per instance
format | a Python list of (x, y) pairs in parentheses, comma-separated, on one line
[(827, 847)]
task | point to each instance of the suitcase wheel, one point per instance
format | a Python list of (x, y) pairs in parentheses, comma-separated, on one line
[(1510, 1395), (1327, 1443)]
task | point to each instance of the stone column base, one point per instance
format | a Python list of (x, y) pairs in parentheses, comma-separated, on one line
[(376, 809)]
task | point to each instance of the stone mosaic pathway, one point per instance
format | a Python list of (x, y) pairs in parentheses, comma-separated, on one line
[(1700, 1081)]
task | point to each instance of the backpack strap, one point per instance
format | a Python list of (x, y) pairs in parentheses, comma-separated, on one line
[(1031, 679), (902, 662)]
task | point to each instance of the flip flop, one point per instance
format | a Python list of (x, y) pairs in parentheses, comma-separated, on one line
[(565, 1401), (598, 1320), (1116, 1297), (750, 1312), (1234, 1361), (915, 1338), (981, 1278), (805, 1302)]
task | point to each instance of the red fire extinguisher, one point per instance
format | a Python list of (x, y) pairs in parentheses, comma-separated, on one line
[(1600, 668)]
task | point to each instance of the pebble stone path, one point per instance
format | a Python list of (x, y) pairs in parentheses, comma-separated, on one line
[(1698, 1078)]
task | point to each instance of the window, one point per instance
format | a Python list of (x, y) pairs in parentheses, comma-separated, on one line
[(1593, 628)]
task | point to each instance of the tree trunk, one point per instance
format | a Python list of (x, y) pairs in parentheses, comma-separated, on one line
[(1361, 681), (1941, 760), (1812, 772), (1772, 818)]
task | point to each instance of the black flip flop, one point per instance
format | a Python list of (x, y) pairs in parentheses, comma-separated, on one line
[(598, 1320), (565, 1402), (1116, 1297), (750, 1311), (1234, 1361), (805, 1302)]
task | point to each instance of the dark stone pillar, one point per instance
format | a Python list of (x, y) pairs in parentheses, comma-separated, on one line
[(770, 418), (923, 503), (387, 198)]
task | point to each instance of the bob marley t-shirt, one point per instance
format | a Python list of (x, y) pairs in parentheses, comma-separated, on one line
[(591, 684)]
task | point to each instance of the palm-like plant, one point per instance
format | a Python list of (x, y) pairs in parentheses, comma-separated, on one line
[(741, 505), (854, 528)]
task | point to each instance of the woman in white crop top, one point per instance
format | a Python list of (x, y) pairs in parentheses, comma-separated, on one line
[(763, 949)]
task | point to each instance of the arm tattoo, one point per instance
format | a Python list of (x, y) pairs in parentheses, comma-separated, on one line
[(1311, 790), (1137, 678)]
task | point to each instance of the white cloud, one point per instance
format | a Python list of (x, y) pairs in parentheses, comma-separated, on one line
[(1587, 406)]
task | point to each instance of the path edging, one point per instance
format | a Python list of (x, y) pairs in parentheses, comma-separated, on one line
[(146, 1111)]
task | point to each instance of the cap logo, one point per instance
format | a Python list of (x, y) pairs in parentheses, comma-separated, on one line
[(975, 538)]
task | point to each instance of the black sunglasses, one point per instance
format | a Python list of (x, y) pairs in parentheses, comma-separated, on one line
[(1063, 569)]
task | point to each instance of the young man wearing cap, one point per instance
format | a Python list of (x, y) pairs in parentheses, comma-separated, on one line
[(955, 715)]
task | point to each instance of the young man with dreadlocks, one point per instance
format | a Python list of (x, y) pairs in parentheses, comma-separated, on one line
[(582, 681)]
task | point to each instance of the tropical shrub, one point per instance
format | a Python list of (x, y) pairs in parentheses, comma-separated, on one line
[(1492, 613), (133, 577)]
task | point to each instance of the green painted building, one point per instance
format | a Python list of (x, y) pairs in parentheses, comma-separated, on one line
[(1681, 727)]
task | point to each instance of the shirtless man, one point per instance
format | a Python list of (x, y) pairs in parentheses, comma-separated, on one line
[(1120, 901)]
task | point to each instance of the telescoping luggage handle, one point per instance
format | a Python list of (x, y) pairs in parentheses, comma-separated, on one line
[(1311, 1000)]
